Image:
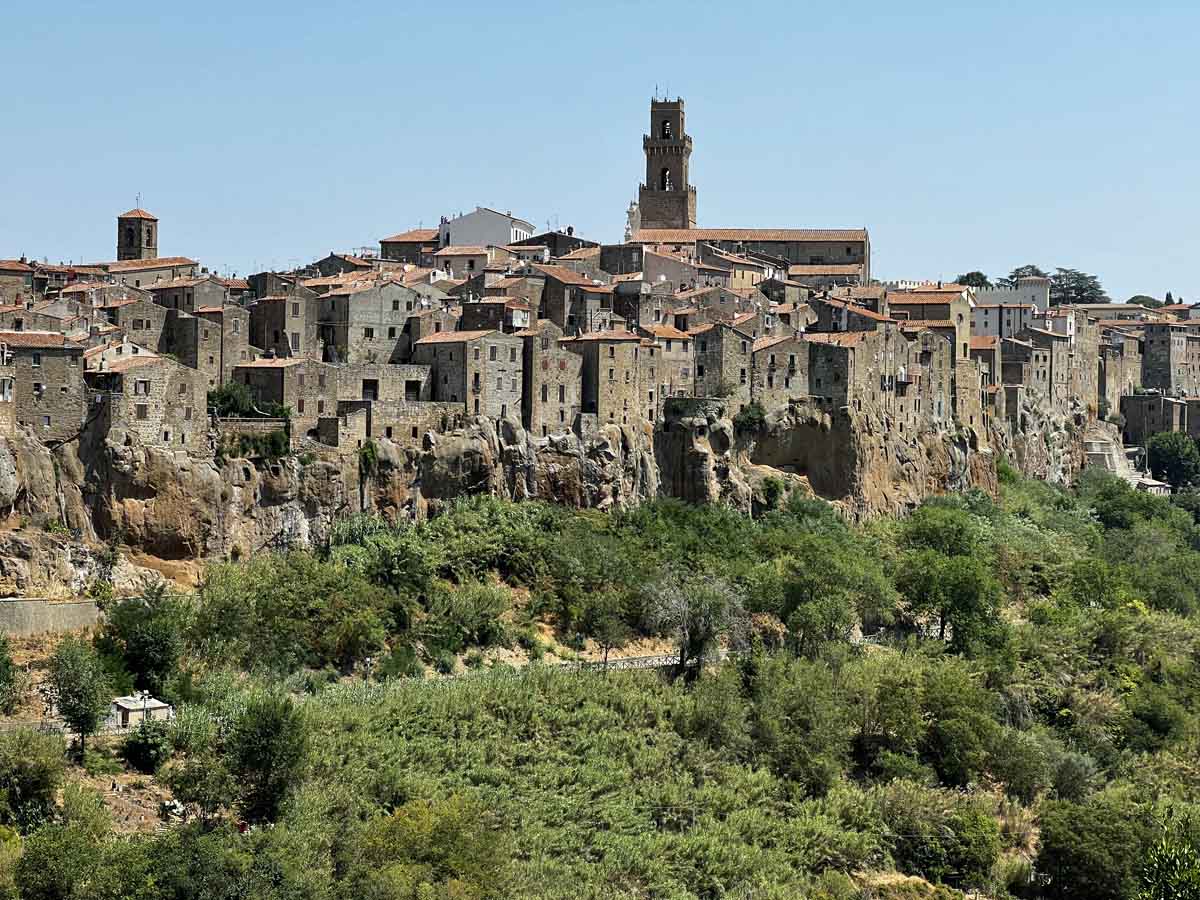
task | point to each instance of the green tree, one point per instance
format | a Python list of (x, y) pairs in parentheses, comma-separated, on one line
[(1094, 849), (79, 687), (268, 753), (695, 611), (1026, 271), (1073, 286), (1147, 301), (603, 617), (958, 590), (1173, 457), (1172, 867), (974, 279), (10, 678), (147, 633), (31, 770), (203, 782)]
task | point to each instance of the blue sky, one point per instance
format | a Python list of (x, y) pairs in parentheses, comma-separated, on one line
[(962, 135)]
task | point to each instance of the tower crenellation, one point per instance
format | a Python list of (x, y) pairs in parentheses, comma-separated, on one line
[(667, 199)]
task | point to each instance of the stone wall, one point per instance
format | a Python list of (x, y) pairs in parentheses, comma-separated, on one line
[(25, 618)]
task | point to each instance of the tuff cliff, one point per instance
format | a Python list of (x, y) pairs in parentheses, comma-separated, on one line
[(63, 505)]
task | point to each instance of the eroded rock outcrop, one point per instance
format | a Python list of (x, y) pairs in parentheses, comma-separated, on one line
[(174, 506)]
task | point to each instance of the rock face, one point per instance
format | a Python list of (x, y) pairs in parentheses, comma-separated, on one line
[(62, 505)]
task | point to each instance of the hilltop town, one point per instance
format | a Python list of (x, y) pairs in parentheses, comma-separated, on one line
[(557, 341)]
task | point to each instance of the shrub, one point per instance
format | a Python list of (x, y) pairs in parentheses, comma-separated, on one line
[(750, 419), (147, 747), (1093, 849), (31, 769)]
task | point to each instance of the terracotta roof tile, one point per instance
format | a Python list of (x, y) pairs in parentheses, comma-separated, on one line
[(137, 265), (689, 235), (837, 338), (455, 337), (764, 342), (607, 336), (278, 362), (666, 331), (412, 236), (36, 339), (984, 342), (825, 270), (563, 274), (138, 213), (14, 265), (462, 251)]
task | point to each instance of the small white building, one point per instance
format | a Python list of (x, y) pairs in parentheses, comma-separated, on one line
[(138, 707), (483, 228)]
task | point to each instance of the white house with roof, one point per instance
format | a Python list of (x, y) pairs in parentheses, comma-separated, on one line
[(483, 228)]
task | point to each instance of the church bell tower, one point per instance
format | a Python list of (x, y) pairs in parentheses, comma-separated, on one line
[(137, 235), (667, 199)]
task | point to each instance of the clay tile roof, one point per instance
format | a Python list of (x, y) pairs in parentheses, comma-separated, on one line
[(126, 363), (235, 284), (984, 342), (743, 317), (136, 265), (117, 304), (920, 298), (138, 213), (14, 265), (914, 324), (563, 274), (462, 251), (700, 329), (837, 338), (581, 253), (455, 337), (764, 342), (219, 310), (36, 339), (353, 260), (690, 235), (666, 331), (412, 236), (278, 362), (596, 288), (631, 276), (609, 336), (825, 270)]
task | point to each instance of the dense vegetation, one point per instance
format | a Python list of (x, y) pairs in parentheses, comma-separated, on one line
[(991, 695)]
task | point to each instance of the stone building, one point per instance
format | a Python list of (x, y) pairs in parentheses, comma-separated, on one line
[(137, 235), (666, 199), (342, 264), (482, 369), (189, 294), (384, 382), (307, 387), (218, 341), (668, 366), (48, 373), (365, 322), (1120, 370), (149, 399), (505, 314), (1169, 361), (779, 370), (145, 272), (611, 376), (551, 398), (8, 393), (810, 246), (16, 281), (948, 303), (723, 358), (840, 315), (1148, 414), (288, 323), (415, 246)]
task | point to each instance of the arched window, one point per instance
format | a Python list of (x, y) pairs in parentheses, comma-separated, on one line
[(130, 235), (149, 234), (666, 129), (665, 180)]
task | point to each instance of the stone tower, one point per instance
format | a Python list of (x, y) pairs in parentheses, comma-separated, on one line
[(667, 199), (137, 235)]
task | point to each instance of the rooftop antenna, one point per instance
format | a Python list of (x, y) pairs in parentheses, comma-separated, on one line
[(138, 205)]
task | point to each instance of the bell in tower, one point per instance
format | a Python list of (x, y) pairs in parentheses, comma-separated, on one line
[(667, 199)]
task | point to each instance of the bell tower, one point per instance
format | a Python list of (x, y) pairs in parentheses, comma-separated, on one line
[(137, 235), (667, 199)]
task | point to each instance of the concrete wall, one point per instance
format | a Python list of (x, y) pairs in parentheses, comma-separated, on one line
[(24, 618)]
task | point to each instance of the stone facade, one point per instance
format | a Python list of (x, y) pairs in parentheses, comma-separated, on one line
[(779, 370), (307, 387), (47, 371), (611, 376), (365, 324), (150, 400), (723, 360), (666, 199), (384, 383), (553, 379), (189, 294), (482, 369)]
